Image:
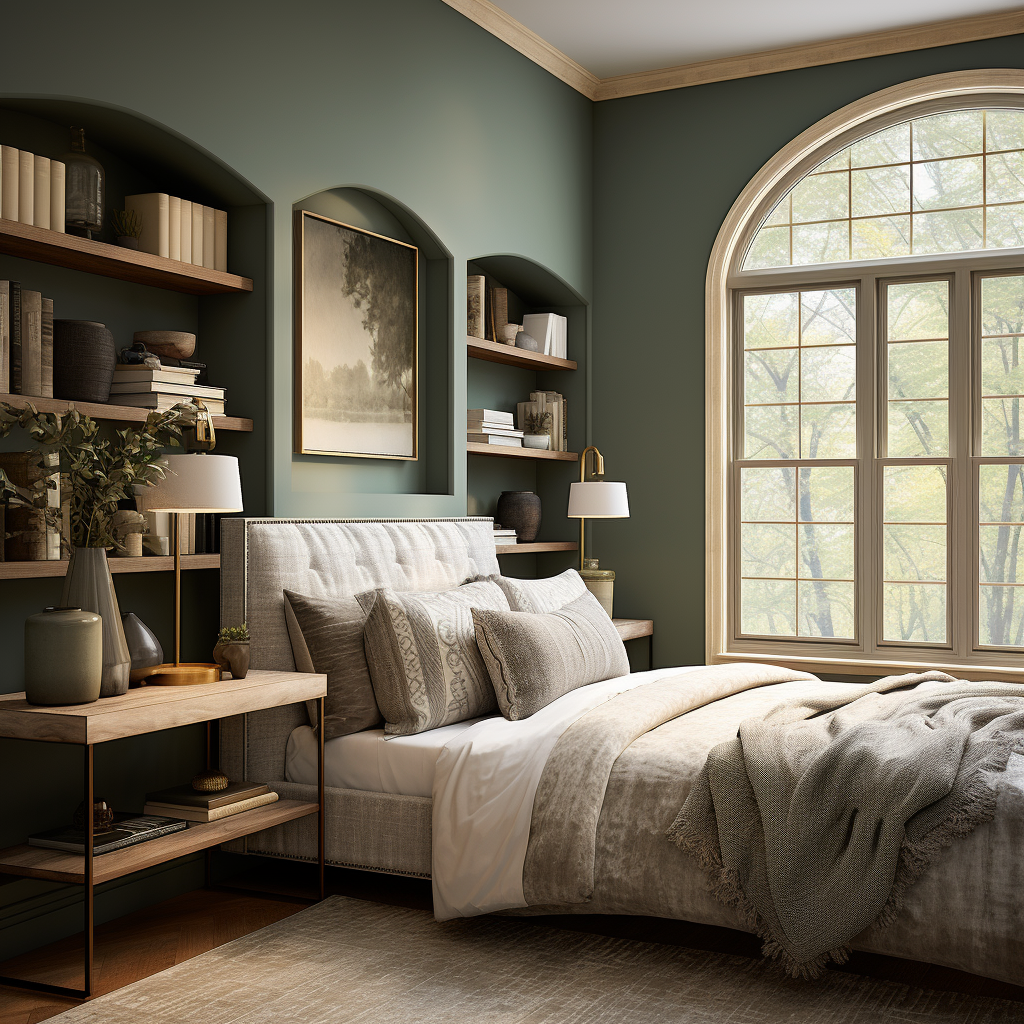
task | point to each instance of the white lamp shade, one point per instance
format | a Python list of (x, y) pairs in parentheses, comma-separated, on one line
[(598, 499), (196, 483)]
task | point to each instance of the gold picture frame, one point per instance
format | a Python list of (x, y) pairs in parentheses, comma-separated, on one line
[(356, 356)]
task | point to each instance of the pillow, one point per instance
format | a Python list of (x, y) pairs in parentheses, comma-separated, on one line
[(535, 658), (327, 636), (542, 595), (424, 661)]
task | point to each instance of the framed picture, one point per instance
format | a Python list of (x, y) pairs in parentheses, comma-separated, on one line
[(356, 340)]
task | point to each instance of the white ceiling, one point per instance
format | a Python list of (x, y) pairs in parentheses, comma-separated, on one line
[(619, 37)]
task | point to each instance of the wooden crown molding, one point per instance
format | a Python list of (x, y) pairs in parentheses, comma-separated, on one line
[(767, 62)]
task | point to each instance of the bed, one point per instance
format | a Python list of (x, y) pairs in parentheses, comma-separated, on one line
[(396, 805)]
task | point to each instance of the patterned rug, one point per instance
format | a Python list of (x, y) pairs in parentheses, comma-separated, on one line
[(346, 960)]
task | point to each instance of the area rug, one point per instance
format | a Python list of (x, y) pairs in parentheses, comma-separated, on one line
[(347, 960)]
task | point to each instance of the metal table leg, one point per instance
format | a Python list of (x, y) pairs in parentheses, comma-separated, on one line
[(320, 794)]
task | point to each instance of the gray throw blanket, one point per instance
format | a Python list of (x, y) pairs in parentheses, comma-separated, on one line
[(816, 818)]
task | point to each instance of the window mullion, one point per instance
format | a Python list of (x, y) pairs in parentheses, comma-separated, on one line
[(962, 592), (868, 517)]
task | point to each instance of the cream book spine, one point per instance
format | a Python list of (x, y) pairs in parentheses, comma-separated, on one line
[(41, 209), (197, 235), (174, 227), (185, 244), (26, 186), (31, 342), (56, 195), (215, 813), (209, 237), (10, 161), (5, 337), (220, 240), (151, 209)]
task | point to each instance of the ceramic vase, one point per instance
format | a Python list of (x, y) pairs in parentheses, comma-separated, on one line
[(89, 585), (83, 360), (63, 657), (233, 656), (519, 511), (143, 647)]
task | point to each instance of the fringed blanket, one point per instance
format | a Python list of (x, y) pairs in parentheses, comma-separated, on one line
[(816, 818)]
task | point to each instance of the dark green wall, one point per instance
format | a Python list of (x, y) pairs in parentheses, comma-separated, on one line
[(667, 168)]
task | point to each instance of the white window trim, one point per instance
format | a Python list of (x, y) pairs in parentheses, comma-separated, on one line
[(871, 113)]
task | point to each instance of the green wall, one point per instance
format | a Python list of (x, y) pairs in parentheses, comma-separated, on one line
[(667, 168)]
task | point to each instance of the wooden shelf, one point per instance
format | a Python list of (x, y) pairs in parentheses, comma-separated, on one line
[(506, 452), (536, 547), (62, 250), (632, 629), (58, 866), (495, 352), (118, 413), (147, 563)]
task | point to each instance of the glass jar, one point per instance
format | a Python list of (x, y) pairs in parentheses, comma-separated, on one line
[(83, 187)]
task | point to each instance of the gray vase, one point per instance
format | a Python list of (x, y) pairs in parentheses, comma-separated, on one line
[(143, 647), (89, 585), (84, 358), (63, 657)]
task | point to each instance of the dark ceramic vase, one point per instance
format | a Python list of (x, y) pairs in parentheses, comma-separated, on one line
[(143, 647), (83, 360), (519, 511), (233, 656)]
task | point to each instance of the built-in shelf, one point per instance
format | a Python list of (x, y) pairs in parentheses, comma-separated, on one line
[(536, 547), (118, 413), (633, 629), (146, 563), (508, 452), (495, 352), (62, 250), (59, 866)]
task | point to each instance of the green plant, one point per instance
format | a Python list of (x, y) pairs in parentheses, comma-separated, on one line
[(126, 223), (100, 471), (234, 634)]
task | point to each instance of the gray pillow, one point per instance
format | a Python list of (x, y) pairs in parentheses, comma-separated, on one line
[(547, 595), (424, 661), (327, 636), (534, 658)]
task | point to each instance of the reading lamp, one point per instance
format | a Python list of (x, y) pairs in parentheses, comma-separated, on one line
[(194, 482)]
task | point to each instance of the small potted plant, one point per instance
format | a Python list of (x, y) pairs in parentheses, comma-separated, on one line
[(232, 650), (127, 225)]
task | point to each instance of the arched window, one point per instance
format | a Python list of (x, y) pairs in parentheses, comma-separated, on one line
[(865, 389)]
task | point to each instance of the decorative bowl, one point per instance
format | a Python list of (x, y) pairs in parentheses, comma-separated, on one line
[(536, 440), (174, 344)]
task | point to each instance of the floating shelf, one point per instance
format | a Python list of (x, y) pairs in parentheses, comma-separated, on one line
[(632, 629), (507, 452), (62, 250), (536, 547), (494, 352), (59, 866), (118, 413), (147, 563)]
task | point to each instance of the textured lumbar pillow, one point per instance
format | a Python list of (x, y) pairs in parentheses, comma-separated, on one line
[(546, 595), (327, 636), (424, 661), (534, 658)]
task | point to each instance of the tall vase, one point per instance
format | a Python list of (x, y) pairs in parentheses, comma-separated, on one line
[(89, 585)]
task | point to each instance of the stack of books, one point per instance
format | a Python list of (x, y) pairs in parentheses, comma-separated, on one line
[(181, 230), (147, 388), (31, 189), (124, 833), (199, 533), (488, 426), (550, 331), (503, 537), (185, 802), (26, 341), (545, 413)]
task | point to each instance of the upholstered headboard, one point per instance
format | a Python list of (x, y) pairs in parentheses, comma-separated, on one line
[(260, 558)]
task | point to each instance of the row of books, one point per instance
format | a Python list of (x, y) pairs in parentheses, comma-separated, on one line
[(546, 413), (180, 230), (146, 387), (25, 534), (199, 533), (550, 331), (31, 189), (487, 314), (489, 426), (26, 341)]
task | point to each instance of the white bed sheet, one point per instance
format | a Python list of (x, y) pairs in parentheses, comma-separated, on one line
[(366, 760)]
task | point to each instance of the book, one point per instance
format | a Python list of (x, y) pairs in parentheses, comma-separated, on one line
[(498, 313), (46, 356), (125, 372), (174, 228), (127, 832), (476, 289), (31, 342), (483, 428), (15, 310), (57, 198), (490, 414), (152, 209), (9, 167), (157, 538), (209, 239), (197, 235), (142, 387), (26, 186), (41, 207), (550, 330), (213, 813), (31, 538), (498, 439), (164, 402), (5, 338), (185, 241), (220, 240)]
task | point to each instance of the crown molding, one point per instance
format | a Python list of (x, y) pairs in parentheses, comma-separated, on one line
[(872, 44)]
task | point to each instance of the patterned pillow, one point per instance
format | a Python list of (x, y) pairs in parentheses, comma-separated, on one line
[(424, 662), (546, 595), (535, 658)]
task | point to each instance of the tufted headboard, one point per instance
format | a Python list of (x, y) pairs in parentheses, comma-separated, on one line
[(260, 558)]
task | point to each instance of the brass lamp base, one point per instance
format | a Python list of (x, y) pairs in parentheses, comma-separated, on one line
[(188, 673)]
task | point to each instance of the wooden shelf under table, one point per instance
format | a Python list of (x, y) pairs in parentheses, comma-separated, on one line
[(63, 250), (495, 352), (536, 547), (60, 866), (503, 451), (145, 563)]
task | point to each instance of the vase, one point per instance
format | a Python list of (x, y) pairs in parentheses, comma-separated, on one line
[(143, 647), (519, 511), (83, 188), (83, 360), (89, 585), (63, 656), (233, 656)]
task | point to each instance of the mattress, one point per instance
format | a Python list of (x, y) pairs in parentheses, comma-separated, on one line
[(366, 760)]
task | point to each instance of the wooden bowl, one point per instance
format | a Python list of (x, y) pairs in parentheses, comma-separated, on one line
[(175, 344)]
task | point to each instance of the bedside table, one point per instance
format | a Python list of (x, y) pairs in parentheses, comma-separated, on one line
[(144, 710), (633, 629)]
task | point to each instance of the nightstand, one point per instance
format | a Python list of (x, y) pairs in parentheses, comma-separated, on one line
[(150, 709), (633, 629)]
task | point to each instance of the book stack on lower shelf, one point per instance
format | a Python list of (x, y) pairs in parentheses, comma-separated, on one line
[(488, 426), (185, 802), (145, 387), (503, 538)]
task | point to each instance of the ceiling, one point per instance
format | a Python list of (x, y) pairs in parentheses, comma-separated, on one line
[(620, 37)]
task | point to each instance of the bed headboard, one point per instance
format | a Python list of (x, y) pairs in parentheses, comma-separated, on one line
[(260, 558)]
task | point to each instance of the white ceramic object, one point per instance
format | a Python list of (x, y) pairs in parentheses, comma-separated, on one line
[(536, 440)]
